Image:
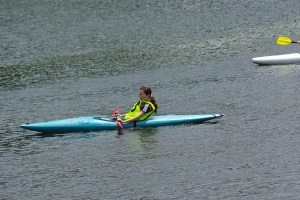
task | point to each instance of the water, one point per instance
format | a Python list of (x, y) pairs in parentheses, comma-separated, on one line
[(61, 59)]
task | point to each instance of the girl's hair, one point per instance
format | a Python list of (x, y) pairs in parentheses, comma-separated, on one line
[(147, 91)]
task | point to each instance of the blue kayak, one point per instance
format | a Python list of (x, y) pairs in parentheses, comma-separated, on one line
[(98, 123)]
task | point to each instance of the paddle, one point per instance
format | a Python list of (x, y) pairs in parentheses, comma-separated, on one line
[(283, 40), (117, 121)]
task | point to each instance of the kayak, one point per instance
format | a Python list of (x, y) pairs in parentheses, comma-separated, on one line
[(98, 123), (284, 59)]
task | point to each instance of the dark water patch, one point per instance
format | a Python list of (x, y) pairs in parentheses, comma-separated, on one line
[(109, 63)]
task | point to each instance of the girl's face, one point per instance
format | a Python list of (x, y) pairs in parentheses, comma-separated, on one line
[(143, 96)]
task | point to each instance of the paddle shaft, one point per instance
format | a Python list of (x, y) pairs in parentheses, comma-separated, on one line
[(118, 119)]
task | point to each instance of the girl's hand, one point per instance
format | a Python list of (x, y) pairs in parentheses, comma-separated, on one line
[(119, 119)]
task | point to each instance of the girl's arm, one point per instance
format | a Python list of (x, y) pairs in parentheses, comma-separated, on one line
[(134, 118)]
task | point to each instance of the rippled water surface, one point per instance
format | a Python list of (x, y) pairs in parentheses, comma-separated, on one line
[(61, 59)]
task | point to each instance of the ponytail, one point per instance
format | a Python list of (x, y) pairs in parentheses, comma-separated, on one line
[(153, 101)]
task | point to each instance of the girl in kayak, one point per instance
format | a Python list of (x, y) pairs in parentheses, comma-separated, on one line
[(142, 109)]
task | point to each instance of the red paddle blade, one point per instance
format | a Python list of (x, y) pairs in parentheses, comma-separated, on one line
[(115, 112), (117, 121), (120, 124)]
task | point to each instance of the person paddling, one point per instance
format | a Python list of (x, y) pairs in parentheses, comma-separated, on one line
[(142, 109)]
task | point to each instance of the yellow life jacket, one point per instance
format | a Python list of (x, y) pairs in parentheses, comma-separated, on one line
[(136, 109)]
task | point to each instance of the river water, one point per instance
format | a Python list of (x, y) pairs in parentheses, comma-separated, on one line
[(61, 59)]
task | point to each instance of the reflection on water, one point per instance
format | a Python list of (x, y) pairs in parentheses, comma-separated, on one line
[(285, 70), (143, 140)]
